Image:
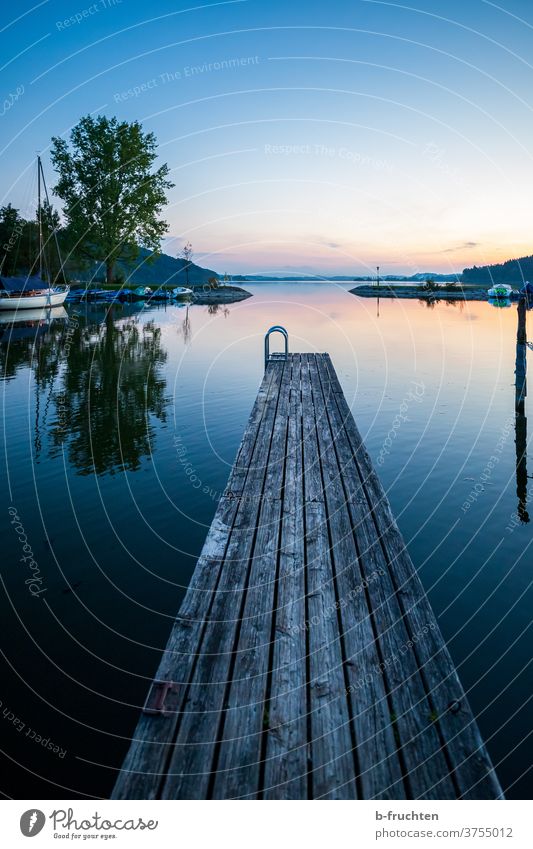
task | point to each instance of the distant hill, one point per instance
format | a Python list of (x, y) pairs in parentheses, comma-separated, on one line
[(514, 271), (168, 269), (163, 269), (422, 276)]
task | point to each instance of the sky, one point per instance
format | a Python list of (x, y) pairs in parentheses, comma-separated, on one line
[(301, 136)]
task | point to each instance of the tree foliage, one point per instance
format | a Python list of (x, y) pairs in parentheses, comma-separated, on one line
[(19, 242), (112, 196), (514, 272)]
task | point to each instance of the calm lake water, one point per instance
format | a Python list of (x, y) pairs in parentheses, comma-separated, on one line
[(118, 438)]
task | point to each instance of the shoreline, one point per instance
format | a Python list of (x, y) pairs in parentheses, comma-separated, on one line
[(411, 292), (219, 295)]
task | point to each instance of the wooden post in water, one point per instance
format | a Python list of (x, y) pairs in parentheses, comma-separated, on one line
[(520, 412)]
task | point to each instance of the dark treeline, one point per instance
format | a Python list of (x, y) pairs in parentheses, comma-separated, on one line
[(513, 272), (19, 242)]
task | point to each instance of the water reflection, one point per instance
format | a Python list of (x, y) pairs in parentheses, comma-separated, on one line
[(23, 332), (475, 569), (520, 414), (98, 384), (431, 303), (218, 309), (185, 327)]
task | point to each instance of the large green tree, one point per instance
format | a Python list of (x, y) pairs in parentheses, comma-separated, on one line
[(112, 195)]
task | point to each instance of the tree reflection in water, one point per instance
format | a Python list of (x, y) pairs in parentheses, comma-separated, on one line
[(97, 387)]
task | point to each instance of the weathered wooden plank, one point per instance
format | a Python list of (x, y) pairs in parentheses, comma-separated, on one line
[(275, 473), (286, 754), (241, 467), (379, 759), (333, 755), (425, 764), (190, 766), (467, 758), (313, 489), (332, 758), (239, 762)]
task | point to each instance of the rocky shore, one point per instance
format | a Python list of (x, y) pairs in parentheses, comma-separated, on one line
[(219, 294), (460, 294)]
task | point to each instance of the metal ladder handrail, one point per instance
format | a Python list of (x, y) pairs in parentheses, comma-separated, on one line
[(277, 328)]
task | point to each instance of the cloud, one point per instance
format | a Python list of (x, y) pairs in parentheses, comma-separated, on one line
[(464, 246), (323, 240)]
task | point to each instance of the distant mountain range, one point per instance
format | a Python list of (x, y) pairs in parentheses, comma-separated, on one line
[(421, 277), (168, 269), (165, 269), (161, 270), (514, 271)]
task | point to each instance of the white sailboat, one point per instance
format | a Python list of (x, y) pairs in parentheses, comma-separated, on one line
[(32, 292)]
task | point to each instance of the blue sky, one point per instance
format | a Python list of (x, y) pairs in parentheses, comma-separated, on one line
[(301, 135)]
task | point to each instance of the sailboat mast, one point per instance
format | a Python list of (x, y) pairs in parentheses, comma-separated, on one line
[(39, 217), (54, 232)]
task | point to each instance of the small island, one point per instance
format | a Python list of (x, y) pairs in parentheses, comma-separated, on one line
[(427, 292), (219, 294)]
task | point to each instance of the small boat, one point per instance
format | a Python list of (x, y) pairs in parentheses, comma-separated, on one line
[(110, 295), (126, 295), (501, 291), (181, 292), (160, 295), (32, 292), (74, 296), (142, 293), (94, 294)]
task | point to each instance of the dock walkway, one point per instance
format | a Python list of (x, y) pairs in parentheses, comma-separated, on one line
[(305, 661)]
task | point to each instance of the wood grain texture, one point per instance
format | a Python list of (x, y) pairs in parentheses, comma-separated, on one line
[(305, 660)]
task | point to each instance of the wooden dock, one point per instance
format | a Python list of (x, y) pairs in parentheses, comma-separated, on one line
[(305, 661)]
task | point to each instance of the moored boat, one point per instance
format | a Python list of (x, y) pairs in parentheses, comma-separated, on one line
[(31, 291), (181, 292), (160, 295), (142, 293), (19, 293), (126, 295), (500, 290), (94, 294)]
